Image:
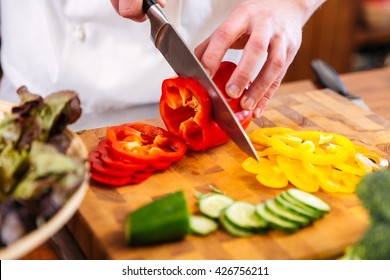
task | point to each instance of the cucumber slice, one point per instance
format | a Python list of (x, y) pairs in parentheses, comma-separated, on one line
[(163, 220), (273, 207), (242, 214), (212, 204), (309, 200), (291, 204), (274, 220), (232, 229), (202, 225)]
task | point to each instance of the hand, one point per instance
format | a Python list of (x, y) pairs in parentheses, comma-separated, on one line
[(258, 27), (132, 9)]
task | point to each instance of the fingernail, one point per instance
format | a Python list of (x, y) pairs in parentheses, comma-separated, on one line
[(249, 103), (257, 112), (233, 91)]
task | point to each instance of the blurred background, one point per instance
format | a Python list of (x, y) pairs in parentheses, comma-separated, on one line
[(351, 35)]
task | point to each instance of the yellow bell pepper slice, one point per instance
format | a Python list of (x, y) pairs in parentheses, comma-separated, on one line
[(286, 145), (267, 152), (262, 136), (273, 177), (253, 166), (374, 160), (267, 172), (310, 160), (293, 169), (333, 154)]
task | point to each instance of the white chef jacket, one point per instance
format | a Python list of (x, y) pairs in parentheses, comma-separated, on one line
[(84, 45)]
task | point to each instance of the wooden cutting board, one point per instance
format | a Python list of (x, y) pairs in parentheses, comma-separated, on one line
[(98, 225)]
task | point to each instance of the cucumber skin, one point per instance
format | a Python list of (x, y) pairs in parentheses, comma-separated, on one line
[(197, 232), (300, 220), (321, 211), (262, 228), (293, 228), (303, 209), (163, 220), (232, 229), (205, 211)]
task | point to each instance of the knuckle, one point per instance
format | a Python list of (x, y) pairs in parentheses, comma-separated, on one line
[(276, 83), (260, 89), (278, 64), (258, 45), (223, 33), (265, 99), (243, 76), (210, 60)]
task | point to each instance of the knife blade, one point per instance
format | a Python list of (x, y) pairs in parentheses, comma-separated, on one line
[(186, 64), (329, 78)]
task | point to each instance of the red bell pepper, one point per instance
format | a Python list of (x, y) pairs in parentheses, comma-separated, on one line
[(186, 109), (117, 181), (114, 176), (107, 157), (132, 152), (144, 143)]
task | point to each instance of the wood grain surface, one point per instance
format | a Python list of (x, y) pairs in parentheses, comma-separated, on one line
[(98, 225)]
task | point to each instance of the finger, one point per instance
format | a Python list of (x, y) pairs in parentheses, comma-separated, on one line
[(201, 48), (131, 9), (269, 76), (263, 103), (254, 52), (216, 46)]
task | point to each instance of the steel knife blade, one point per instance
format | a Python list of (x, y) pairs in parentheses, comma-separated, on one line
[(329, 78), (186, 64)]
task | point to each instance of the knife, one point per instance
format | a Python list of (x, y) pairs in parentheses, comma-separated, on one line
[(328, 77), (185, 64)]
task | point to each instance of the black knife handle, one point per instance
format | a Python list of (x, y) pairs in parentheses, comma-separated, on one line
[(146, 4), (329, 78)]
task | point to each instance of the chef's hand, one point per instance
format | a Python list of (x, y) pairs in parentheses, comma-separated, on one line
[(258, 27), (132, 9)]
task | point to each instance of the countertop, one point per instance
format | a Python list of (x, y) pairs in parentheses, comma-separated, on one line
[(372, 86)]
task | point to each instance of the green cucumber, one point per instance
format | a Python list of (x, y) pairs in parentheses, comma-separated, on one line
[(285, 201), (202, 225), (231, 228), (309, 200), (274, 220), (163, 220), (212, 204), (242, 215), (273, 207)]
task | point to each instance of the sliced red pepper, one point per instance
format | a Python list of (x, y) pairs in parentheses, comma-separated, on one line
[(115, 181), (108, 175), (108, 157), (186, 109), (98, 165), (144, 143)]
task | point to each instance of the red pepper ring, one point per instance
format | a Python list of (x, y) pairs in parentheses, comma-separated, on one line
[(99, 166), (145, 143), (115, 181), (108, 157)]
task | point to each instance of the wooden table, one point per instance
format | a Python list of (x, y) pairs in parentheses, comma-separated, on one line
[(373, 86)]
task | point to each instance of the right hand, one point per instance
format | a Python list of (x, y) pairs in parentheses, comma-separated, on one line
[(132, 9)]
